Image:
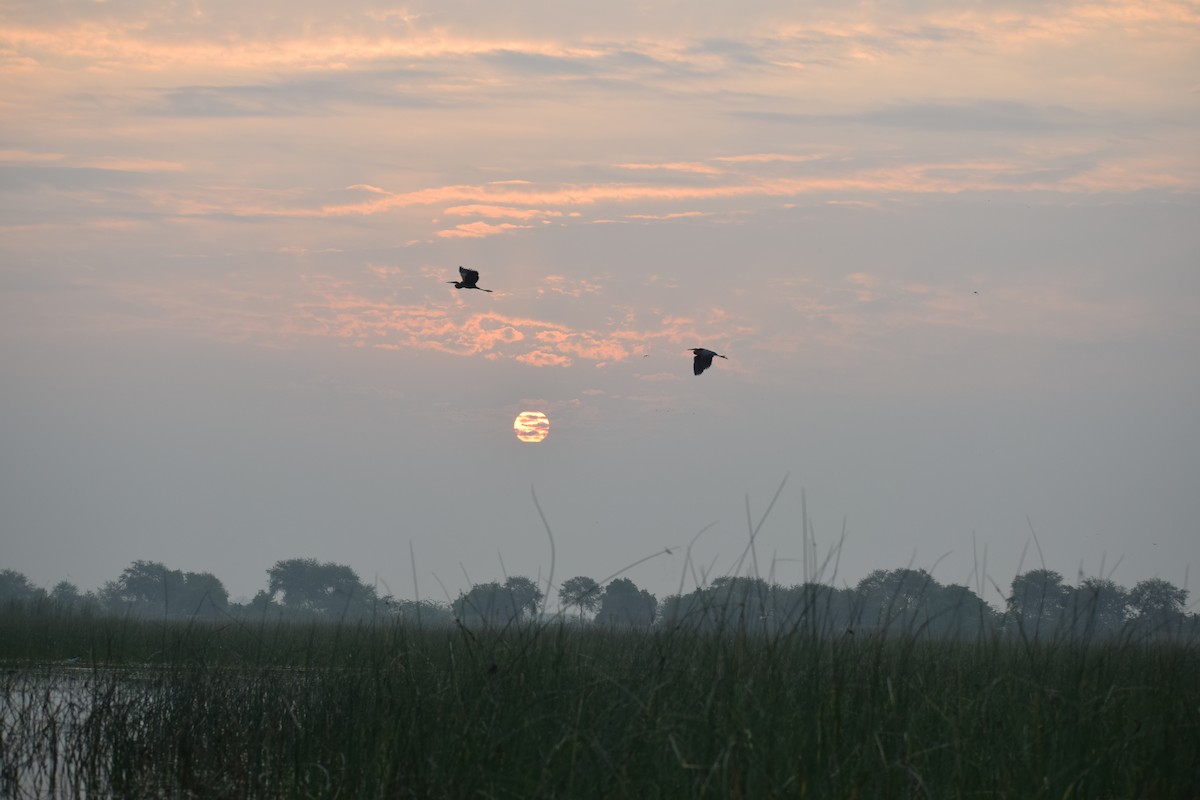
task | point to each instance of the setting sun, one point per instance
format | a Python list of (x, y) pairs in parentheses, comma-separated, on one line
[(531, 426)]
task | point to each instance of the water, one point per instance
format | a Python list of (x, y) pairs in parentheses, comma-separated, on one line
[(51, 732)]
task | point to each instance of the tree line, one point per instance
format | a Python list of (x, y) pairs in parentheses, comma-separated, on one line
[(1039, 605)]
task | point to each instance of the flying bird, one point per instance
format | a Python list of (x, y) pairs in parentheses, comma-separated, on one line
[(703, 359), (470, 277)]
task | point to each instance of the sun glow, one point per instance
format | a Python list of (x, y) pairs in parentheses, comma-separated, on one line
[(531, 426)]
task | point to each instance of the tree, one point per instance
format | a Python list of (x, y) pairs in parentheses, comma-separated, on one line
[(580, 591), (494, 604), (261, 603), (743, 603), (814, 608), (729, 603), (66, 593), (1098, 607), (111, 598), (16, 587), (896, 596), (484, 605), (955, 611), (1037, 602), (328, 588), (913, 601), (422, 613), (625, 605), (202, 594), (1158, 604), (524, 594), (151, 586)]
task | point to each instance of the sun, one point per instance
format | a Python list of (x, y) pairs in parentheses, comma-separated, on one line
[(531, 426)]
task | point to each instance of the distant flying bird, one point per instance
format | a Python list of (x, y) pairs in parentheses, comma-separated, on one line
[(703, 359), (470, 277)]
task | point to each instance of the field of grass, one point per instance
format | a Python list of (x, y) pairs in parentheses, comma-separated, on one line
[(106, 707)]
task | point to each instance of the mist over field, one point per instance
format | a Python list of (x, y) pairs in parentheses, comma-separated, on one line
[(949, 254), (544, 400)]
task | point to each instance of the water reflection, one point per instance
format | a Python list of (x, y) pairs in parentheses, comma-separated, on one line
[(51, 734)]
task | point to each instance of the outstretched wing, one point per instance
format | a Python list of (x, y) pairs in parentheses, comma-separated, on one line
[(701, 362), (469, 275)]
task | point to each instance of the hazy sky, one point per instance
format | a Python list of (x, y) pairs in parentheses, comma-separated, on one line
[(952, 252)]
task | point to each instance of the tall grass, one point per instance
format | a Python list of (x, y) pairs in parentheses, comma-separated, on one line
[(383, 710)]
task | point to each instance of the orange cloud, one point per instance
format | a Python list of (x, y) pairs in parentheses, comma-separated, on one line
[(495, 212), (676, 166), (29, 157), (478, 230), (584, 344), (917, 178), (571, 287), (341, 311), (766, 158), (366, 187), (128, 44), (676, 215), (133, 164), (477, 334), (593, 348), (542, 358), (866, 284)]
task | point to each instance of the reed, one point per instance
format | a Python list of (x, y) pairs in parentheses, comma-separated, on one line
[(154, 709)]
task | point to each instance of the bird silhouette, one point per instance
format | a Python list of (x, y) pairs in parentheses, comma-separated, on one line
[(703, 359), (470, 277)]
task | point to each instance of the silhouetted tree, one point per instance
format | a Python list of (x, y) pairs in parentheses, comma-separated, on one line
[(151, 586), (485, 604), (493, 604), (262, 602), (424, 613), (746, 601), (14, 586), (955, 611), (580, 591), (623, 605), (728, 603), (66, 594), (202, 594), (913, 601), (525, 594), (110, 598), (674, 611), (1098, 608), (895, 598), (1037, 602), (327, 588), (1158, 605), (814, 608)]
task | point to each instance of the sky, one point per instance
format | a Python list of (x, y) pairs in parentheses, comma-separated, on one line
[(950, 250)]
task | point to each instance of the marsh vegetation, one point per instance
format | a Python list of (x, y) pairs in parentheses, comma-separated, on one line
[(105, 706)]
